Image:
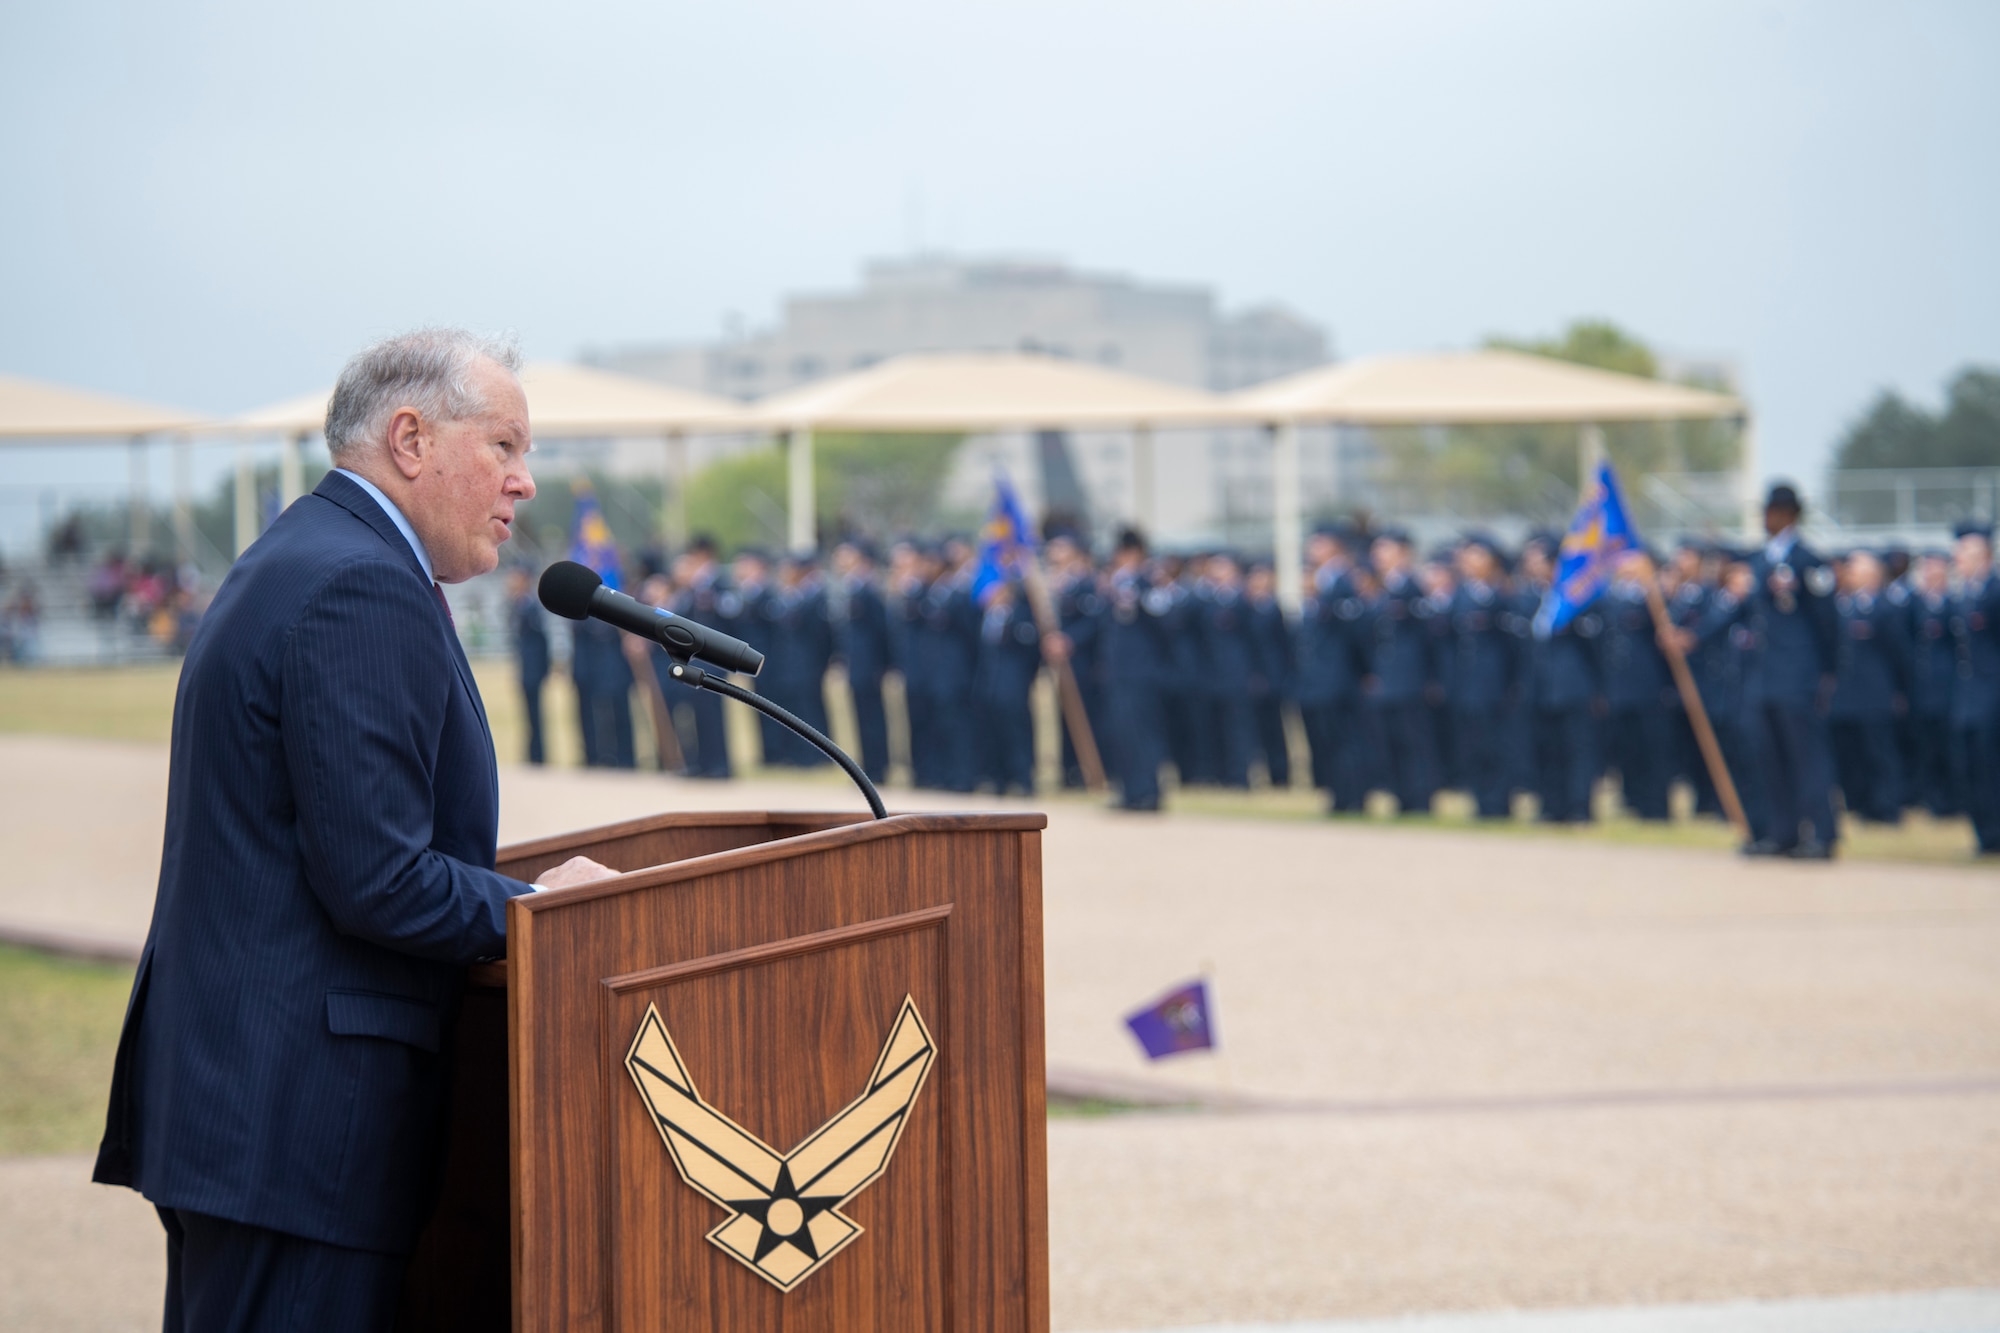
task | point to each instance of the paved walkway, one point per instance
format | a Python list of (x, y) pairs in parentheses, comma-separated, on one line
[(1914, 1312), (1521, 1071)]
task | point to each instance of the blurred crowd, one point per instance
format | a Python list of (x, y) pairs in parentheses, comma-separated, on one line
[(153, 597), (1868, 681)]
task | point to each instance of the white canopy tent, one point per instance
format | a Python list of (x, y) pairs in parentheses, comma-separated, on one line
[(32, 411), (972, 392), (565, 401), (1460, 388)]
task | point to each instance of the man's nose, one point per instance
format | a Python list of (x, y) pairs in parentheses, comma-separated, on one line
[(521, 482)]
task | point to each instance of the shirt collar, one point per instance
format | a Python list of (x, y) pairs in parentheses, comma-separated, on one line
[(396, 517), (1780, 546)]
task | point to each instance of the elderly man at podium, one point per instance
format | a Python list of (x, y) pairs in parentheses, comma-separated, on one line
[(327, 875)]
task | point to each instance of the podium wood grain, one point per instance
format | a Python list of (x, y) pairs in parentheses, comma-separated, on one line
[(777, 950)]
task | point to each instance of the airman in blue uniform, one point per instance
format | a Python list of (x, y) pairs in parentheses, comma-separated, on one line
[(1333, 659), (745, 610), (698, 591), (1400, 675), (794, 675), (1871, 689), (531, 654), (1481, 680), (1136, 655), (1565, 689), (1183, 698), (861, 640), (1079, 614), (952, 621), (911, 568), (1790, 680), (1229, 668), (1975, 710), (1274, 663), (1933, 677), (1010, 657), (1636, 690)]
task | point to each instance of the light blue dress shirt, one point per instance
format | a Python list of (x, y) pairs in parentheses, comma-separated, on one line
[(395, 516)]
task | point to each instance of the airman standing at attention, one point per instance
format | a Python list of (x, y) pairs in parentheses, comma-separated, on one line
[(1565, 686), (698, 590), (1333, 658), (1636, 691), (1933, 674), (1273, 664), (1975, 709), (1400, 675), (1135, 657), (861, 639), (1481, 681), (1871, 688), (1789, 683), (1228, 668)]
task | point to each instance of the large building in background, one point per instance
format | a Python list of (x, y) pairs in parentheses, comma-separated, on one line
[(942, 304), (935, 303)]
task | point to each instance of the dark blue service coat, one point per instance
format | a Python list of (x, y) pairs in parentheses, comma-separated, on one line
[(332, 810)]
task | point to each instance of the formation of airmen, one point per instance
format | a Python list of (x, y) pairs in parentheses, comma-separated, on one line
[(1869, 681)]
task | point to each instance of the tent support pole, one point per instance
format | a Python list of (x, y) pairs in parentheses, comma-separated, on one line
[(1589, 453), (1287, 517), (800, 535), (673, 491), (139, 506), (291, 469), (1753, 508), (246, 497), (1145, 509), (183, 499)]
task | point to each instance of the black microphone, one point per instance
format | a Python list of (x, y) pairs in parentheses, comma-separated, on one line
[(575, 592)]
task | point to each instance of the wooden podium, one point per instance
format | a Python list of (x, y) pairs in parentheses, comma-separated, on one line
[(785, 1072)]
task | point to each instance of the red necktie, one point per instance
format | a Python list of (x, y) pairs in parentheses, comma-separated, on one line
[(446, 605)]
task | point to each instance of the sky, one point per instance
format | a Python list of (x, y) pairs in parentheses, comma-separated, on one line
[(213, 204)]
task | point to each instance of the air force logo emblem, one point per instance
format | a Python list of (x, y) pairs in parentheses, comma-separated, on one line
[(784, 1219)]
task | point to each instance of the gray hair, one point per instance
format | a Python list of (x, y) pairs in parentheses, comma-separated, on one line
[(430, 370)]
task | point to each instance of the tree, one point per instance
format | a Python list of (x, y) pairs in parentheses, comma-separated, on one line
[(1969, 435), (877, 484), (1530, 470), (1894, 433), (1590, 342)]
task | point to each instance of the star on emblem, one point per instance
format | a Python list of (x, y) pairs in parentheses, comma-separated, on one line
[(784, 1219)]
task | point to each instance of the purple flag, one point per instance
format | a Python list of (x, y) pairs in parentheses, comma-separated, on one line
[(1177, 1021)]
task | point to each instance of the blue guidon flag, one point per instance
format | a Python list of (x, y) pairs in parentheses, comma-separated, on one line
[(591, 543), (1178, 1021), (1006, 537), (1600, 533)]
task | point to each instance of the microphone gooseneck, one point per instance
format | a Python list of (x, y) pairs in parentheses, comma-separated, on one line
[(689, 674)]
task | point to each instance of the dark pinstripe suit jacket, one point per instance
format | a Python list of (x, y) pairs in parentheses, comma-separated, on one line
[(332, 810)]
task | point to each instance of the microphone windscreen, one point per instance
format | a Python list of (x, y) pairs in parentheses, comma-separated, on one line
[(566, 588)]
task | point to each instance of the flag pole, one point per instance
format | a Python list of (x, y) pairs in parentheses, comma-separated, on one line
[(668, 745), (1704, 735), (1075, 718)]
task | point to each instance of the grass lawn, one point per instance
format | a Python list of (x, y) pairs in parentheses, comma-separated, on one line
[(58, 1032), (136, 704)]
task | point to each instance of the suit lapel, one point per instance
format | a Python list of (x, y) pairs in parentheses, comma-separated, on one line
[(343, 492)]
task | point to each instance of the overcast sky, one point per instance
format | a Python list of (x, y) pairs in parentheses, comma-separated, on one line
[(212, 204)]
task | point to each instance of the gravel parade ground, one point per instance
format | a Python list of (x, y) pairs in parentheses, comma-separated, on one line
[(1460, 1072)]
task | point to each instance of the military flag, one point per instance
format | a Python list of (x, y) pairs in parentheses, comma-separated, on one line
[(1178, 1021), (590, 541), (1600, 533), (1007, 537)]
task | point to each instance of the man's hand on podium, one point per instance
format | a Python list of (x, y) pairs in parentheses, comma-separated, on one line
[(577, 870)]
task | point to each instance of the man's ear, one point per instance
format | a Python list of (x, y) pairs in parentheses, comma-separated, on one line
[(409, 441)]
